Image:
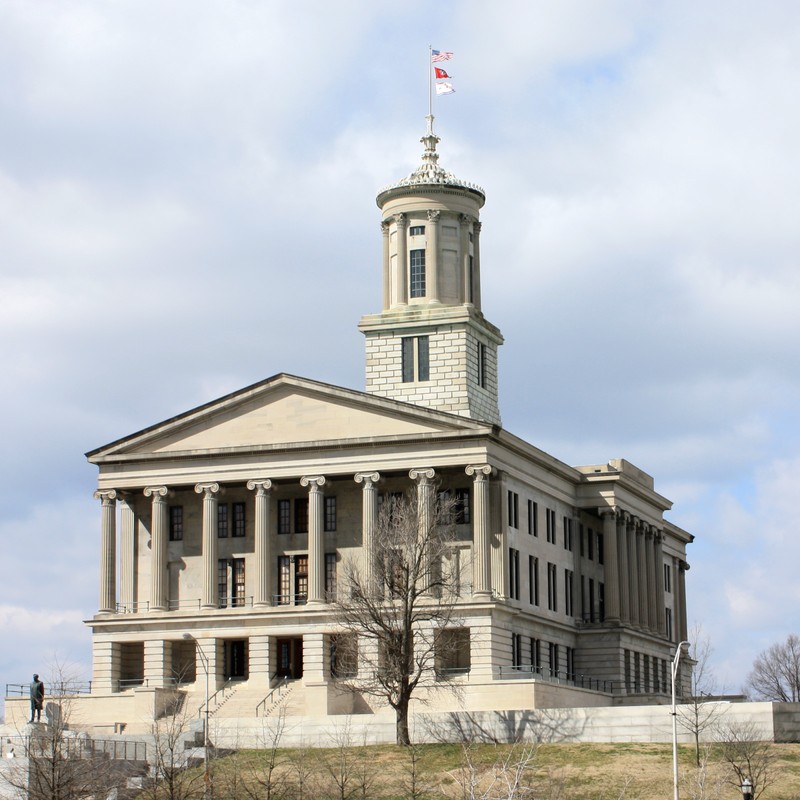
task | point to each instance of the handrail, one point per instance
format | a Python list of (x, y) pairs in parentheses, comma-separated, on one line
[(224, 688), (289, 599), (63, 690), (283, 681), (560, 676)]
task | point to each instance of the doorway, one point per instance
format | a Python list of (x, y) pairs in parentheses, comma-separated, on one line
[(289, 657), (236, 658)]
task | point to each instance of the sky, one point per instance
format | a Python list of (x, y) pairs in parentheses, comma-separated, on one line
[(187, 206)]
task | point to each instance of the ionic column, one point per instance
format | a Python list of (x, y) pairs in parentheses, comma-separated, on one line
[(108, 551), (633, 570), (263, 559), (476, 265), (127, 553), (158, 547), (369, 518), (401, 265), (210, 544), (682, 621), (652, 618), (387, 267), (433, 248), (316, 544), (624, 581), (481, 546), (658, 556), (424, 478), (609, 517), (641, 571)]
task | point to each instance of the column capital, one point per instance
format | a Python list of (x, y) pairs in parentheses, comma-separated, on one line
[(401, 220), (476, 227), (155, 491), (608, 511), (480, 471), (469, 219), (367, 478), (207, 488), (433, 215), (422, 474), (385, 227), (261, 485), (315, 482), (108, 496)]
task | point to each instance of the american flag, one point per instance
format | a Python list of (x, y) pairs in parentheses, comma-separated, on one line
[(440, 55)]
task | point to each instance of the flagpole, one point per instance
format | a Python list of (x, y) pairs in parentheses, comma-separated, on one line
[(430, 88)]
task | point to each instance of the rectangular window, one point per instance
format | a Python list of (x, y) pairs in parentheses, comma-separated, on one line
[(417, 282), (513, 565), (536, 654), (533, 580), (463, 513), (580, 539), (533, 518), (513, 509), (222, 582), (516, 650), (238, 598), (284, 516), (600, 549), (451, 652), (568, 592), (553, 658), (330, 575), (601, 602), (222, 520), (416, 230), (284, 581), (300, 580), (415, 358), (301, 515), (667, 578), (570, 653), (176, 523), (590, 545), (471, 286), (552, 587), (568, 533), (238, 520), (669, 624), (482, 365), (330, 514), (344, 655), (550, 519), (591, 599)]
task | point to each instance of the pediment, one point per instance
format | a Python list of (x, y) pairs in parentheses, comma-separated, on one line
[(282, 411)]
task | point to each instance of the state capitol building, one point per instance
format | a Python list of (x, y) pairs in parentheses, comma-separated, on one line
[(224, 529)]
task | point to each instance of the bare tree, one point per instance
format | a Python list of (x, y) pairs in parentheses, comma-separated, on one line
[(748, 756), (776, 672), (701, 711), (268, 778), (400, 604)]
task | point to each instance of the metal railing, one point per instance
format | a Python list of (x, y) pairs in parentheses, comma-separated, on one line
[(289, 599), (446, 673), (63, 690), (177, 605), (133, 608), (561, 676), (261, 708), (215, 699), (73, 747)]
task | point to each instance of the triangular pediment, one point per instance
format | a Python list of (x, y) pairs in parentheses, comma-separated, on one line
[(283, 411)]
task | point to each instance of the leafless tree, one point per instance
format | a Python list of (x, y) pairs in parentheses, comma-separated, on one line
[(400, 604), (350, 769), (747, 755), (701, 711), (776, 672), (267, 767)]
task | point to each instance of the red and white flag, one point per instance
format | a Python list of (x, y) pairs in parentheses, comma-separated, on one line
[(440, 55), (440, 73)]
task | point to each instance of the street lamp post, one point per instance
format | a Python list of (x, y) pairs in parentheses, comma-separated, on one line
[(675, 662), (747, 789), (206, 773)]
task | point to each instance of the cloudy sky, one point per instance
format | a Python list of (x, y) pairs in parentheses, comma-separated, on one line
[(187, 206)]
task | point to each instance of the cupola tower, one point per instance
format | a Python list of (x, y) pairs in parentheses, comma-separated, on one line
[(431, 345)]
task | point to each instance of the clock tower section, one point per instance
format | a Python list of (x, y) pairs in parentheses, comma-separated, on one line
[(431, 345)]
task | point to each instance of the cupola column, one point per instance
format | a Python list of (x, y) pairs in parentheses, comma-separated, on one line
[(316, 542), (476, 264), (401, 261), (159, 525), (387, 266), (108, 551), (433, 256), (262, 548), (210, 543)]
